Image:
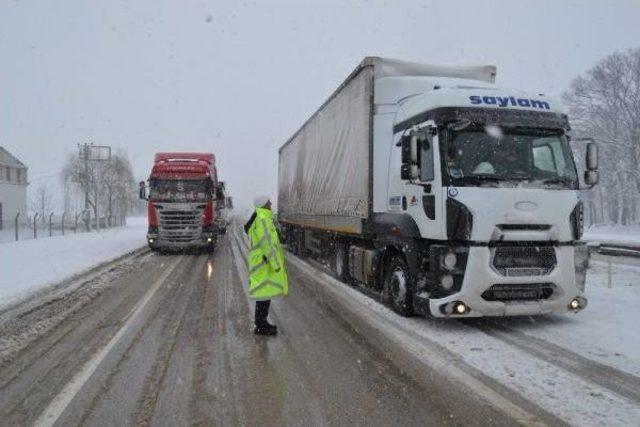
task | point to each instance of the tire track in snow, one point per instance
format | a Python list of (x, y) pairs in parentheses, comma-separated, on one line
[(109, 380), (175, 320), (60, 402), (615, 380), (417, 354)]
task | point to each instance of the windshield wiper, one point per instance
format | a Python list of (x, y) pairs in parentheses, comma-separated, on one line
[(558, 180), (478, 179)]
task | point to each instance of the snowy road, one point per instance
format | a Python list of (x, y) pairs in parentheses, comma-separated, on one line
[(166, 340), (187, 355)]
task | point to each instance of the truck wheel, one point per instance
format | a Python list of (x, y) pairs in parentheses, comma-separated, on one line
[(299, 245), (339, 263), (397, 290)]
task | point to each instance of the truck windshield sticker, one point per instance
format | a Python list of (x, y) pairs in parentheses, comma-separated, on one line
[(509, 101)]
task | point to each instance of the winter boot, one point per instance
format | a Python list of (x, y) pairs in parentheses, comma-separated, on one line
[(266, 329)]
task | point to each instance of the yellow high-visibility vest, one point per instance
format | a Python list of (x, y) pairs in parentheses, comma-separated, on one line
[(267, 273)]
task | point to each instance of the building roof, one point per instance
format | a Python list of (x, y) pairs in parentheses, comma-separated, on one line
[(8, 159)]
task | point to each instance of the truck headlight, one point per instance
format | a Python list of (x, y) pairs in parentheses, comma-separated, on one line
[(446, 281), (447, 265), (581, 263), (449, 261)]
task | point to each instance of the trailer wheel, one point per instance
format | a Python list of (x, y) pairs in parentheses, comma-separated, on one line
[(397, 290), (339, 262)]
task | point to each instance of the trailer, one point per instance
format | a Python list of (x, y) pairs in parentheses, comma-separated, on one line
[(439, 192)]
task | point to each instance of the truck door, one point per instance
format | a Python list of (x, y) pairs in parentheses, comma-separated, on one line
[(420, 190)]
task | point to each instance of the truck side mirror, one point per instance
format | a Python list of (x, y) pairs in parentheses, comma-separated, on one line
[(591, 175), (591, 178), (409, 150), (219, 194), (592, 156), (142, 191)]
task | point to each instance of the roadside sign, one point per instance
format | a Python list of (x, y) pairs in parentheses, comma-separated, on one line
[(95, 152)]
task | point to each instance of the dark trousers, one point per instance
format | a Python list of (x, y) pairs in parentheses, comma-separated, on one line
[(262, 311)]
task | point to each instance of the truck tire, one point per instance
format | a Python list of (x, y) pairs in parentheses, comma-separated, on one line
[(339, 264), (397, 292)]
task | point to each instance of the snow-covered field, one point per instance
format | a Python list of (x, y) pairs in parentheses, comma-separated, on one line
[(614, 234), (30, 265)]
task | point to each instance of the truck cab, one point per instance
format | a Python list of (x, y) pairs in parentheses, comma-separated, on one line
[(488, 178), (182, 202)]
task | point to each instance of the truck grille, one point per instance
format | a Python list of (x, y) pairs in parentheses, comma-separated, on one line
[(180, 225), (514, 261), (519, 292)]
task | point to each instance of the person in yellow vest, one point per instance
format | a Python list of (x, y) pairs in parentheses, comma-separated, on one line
[(267, 273)]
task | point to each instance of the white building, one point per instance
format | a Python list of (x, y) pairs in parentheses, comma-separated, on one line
[(13, 189)]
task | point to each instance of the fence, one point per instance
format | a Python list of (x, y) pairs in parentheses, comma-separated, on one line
[(25, 227)]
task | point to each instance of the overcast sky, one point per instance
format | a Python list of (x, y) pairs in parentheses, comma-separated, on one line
[(239, 77)]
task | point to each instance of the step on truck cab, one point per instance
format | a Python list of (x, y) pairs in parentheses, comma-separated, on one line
[(439, 192), (183, 202)]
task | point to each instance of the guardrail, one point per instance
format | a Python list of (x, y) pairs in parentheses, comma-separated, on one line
[(615, 249)]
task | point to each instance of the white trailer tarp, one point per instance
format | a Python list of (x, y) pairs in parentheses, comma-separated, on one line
[(324, 168)]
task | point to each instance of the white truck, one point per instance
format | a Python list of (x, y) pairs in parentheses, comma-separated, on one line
[(439, 192)]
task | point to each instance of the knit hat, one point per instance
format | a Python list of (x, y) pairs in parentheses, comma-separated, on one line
[(260, 201)]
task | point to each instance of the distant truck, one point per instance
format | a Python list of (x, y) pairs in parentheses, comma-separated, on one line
[(224, 207), (184, 202), (439, 192)]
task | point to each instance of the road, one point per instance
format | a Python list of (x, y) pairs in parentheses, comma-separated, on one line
[(167, 340)]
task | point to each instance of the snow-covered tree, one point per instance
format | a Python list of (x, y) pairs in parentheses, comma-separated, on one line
[(604, 104)]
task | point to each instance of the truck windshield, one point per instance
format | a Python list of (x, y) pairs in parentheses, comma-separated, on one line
[(503, 157), (176, 190)]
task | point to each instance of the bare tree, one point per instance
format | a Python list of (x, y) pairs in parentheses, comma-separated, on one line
[(604, 103), (109, 185), (41, 201), (119, 186)]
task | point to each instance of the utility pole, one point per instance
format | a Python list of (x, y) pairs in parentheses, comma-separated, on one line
[(93, 153), (83, 152)]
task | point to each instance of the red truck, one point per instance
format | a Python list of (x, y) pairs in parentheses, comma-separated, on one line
[(184, 202)]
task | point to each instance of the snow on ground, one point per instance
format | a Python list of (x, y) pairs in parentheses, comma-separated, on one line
[(614, 234), (572, 398), (606, 331), (30, 265)]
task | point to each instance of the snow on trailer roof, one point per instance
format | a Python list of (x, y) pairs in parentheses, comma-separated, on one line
[(184, 166), (209, 158), (388, 67)]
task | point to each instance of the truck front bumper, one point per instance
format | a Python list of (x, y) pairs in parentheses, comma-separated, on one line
[(205, 240), (485, 292)]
